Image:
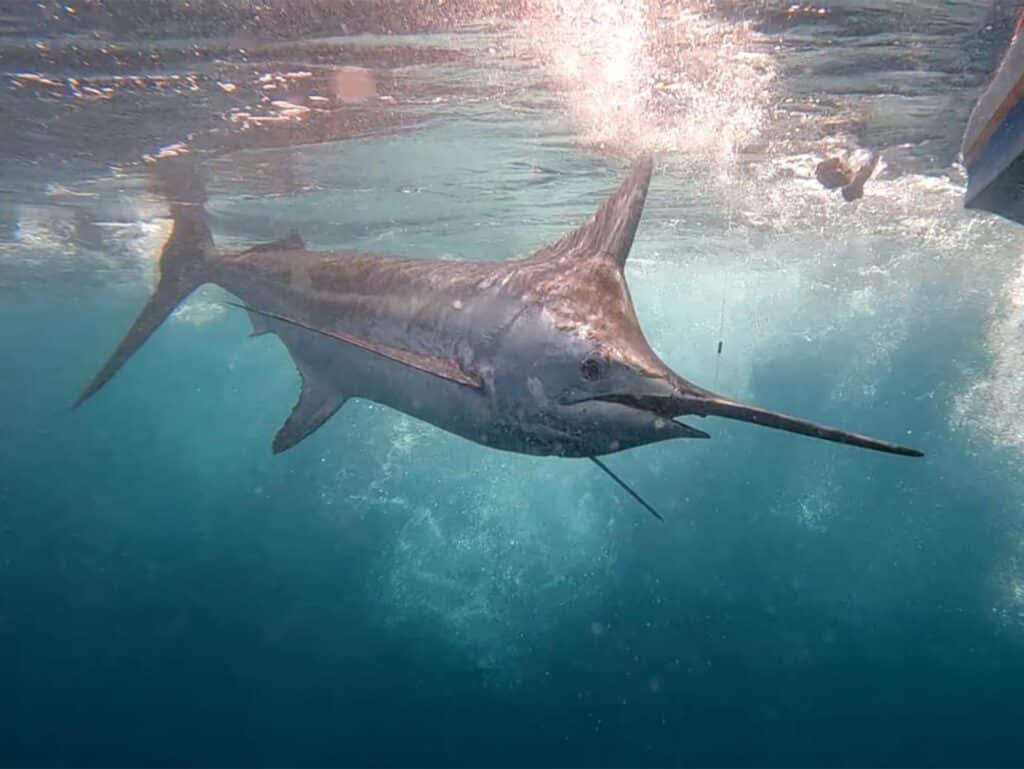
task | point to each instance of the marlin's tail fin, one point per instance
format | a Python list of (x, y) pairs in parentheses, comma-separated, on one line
[(182, 271)]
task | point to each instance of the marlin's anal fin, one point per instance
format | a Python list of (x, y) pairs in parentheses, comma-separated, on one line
[(317, 403)]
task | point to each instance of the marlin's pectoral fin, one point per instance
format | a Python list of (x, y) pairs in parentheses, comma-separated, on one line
[(435, 365), (317, 403)]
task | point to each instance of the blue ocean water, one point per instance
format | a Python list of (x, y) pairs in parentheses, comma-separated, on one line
[(387, 594)]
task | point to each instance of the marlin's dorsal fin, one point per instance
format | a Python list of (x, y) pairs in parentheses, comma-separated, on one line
[(317, 403), (435, 365), (290, 242), (612, 228)]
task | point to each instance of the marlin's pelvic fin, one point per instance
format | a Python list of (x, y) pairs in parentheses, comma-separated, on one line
[(443, 368), (182, 271), (626, 487)]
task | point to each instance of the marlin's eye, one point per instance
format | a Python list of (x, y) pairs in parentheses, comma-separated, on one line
[(594, 367)]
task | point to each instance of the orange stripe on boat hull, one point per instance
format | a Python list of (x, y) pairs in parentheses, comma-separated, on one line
[(1014, 96)]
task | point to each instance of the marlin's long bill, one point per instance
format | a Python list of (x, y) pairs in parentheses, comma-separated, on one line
[(723, 407)]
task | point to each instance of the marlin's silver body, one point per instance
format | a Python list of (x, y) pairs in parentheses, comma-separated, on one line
[(542, 355)]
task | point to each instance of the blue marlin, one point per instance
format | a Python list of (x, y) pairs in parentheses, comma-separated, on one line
[(541, 355)]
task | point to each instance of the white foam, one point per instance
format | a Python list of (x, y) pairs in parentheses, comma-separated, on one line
[(654, 77)]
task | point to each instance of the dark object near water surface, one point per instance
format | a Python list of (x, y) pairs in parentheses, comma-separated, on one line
[(834, 173)]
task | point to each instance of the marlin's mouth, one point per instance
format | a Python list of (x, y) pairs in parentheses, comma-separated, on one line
[(661, 406)]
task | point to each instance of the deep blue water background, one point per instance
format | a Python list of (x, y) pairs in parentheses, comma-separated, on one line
[(385, 594)]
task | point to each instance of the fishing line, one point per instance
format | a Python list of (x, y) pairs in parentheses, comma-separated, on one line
[(721, 333)]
